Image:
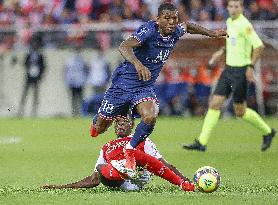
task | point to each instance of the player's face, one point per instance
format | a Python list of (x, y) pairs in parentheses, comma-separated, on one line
[(167, 22), (123, 126), (235, 9)]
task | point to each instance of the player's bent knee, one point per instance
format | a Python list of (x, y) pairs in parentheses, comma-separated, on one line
[(216, 102), (239, 113), (239, 110), (215, 106)]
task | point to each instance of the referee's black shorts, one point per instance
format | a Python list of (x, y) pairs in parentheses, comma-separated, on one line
[(233, 80)]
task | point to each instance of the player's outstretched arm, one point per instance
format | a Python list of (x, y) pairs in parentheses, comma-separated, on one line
[(88, 182), (197, 29), (174, 169), (126, 49)]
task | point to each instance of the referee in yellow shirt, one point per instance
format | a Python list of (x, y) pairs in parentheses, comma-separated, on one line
[(243, 49)]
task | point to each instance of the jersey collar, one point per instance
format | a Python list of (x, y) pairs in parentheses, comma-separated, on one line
[(238, 18)]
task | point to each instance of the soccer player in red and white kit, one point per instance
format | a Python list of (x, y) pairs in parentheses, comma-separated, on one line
[(110, 169)]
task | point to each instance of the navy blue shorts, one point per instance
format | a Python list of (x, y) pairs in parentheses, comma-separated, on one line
[(120, 102), (233, 81)]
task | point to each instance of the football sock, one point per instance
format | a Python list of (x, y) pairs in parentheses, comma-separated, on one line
[(210, 122), (254, 119), (157, 167), (142, 131)]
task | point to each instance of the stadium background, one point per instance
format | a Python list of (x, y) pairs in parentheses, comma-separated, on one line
[(100, 25)]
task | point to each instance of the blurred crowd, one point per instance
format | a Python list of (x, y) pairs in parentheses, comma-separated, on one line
[(25, 17), (53, 12)]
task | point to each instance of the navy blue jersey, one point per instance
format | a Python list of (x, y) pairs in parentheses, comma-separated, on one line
[(153, 52)]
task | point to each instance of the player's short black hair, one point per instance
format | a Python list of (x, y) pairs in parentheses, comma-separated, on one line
[(166, 6)]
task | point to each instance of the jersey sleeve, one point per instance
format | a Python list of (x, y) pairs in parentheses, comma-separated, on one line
[(252, 37), (181, 30), (100, 160), (143, 32), (150, 148)]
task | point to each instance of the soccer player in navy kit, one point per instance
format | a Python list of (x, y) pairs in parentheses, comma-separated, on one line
[(145, 53)]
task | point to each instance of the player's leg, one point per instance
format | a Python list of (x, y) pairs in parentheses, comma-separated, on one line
[(99, 125), (148, 111), (23, 99), (114, 103), (35, 99), (222, 91), (87, 182), (253, 118), (109, 176), (211, 118), (210, 122), (158, 168)]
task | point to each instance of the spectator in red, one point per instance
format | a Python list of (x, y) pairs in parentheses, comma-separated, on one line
[(83, 7)]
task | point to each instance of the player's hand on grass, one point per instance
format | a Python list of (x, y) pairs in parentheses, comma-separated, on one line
[(220, 34), (250, 77), (143, 72)]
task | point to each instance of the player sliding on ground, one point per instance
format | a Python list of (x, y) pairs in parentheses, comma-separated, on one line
[(145, 53), (243, 49), (111, 156)]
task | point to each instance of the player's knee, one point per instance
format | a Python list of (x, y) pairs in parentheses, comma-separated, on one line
[(149, 118), (239, 109), (100, 128), (215, 105), (239, 112)]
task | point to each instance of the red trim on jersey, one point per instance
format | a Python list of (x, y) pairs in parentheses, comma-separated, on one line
[(102, 116), (105, 117), (147, 99)]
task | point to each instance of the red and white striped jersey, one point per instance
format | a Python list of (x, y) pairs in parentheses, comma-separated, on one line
[(113, 150)]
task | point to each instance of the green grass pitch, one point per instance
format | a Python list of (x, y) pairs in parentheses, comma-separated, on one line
[(38, 151)]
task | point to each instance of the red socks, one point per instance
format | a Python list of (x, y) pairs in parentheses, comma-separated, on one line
[(157, 167), (93, 131)]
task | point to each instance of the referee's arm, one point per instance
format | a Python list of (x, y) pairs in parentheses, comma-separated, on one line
[(256, 43), (256, 54), (216, 56)]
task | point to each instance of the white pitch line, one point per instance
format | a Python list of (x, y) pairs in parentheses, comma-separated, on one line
[(10, 140)]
